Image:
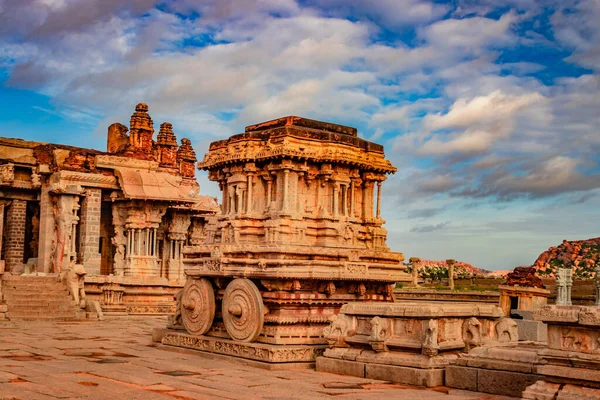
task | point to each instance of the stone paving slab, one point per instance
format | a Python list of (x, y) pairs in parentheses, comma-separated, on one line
[(116, 358)]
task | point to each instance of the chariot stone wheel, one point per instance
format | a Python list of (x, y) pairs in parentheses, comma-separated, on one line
[(197, 306), (243, 310)]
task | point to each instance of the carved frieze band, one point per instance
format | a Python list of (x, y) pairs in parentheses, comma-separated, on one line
[(259, 352)]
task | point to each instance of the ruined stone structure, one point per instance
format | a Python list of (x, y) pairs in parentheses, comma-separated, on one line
[(564, 283), (300, 234), (410, 342), (123, 214)]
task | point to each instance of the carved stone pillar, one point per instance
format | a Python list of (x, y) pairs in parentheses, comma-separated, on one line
[(66, 207), (47, 230), (367, 206), (89, 255), (285, 189), (177, 235), (450, 264), (336, 196), (564, 281), (15, 234), (352, 199), (121, 240), (378, 214), (269, 181), (249, 194), (2, 204)]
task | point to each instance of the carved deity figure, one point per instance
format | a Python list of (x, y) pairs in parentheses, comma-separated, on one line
[(119, 241)]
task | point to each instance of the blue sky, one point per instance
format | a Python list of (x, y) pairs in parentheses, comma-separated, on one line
[(489, 109)]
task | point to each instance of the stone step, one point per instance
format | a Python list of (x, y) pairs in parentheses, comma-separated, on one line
[(30, 316), (47, 309), (37, 299), (39, 302), (29, 290), (19, 278), (32, 284)]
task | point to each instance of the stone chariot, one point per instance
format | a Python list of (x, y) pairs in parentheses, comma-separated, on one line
[(299, 235)]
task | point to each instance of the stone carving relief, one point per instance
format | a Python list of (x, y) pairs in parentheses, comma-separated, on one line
[(7, 174), (73, 278), (507, 330), (472, 332), (430, 345), (119, 240), (341, 326), (380, 331), (174, 320)]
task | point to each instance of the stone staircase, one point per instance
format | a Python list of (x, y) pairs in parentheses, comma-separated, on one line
[(38, 297)]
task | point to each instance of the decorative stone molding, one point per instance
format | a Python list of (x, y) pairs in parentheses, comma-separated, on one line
[(251, 351)]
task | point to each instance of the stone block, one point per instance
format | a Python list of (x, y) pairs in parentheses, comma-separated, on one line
[(572, 392), (158, 334), (405, 375), (3, 308), (541, 391), (530, 330), (579, 374), (524, 314), (461, 377), (504, 383), (341, 367)]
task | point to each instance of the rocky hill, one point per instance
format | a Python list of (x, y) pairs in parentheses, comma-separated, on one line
[(581, 255), (438, 269)]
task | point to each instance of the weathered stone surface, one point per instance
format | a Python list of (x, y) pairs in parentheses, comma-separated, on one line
[(572, 392), (340, 367), (412, 343), (253, 351), (529, 330), (541, 390), (504, 382), (406, 375), (572, 328), (461, 377), (114, 359)]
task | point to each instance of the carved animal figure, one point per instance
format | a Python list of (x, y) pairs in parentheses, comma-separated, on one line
[(73, 278)]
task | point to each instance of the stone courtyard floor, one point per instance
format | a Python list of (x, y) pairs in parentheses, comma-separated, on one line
[(116, 359)]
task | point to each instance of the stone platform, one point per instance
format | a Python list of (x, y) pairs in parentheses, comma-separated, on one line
[(569, 365), (263, 353), (115, 359), (409, 343)]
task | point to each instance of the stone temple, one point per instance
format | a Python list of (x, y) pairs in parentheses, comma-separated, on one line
[(291, 270), (123, 214)]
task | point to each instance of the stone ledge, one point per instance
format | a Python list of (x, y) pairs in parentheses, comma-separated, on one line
[(252, 351), (393, 373), (505, 383)]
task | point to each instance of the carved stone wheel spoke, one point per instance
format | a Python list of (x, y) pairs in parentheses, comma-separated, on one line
[(197, 306), (243, 310)]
